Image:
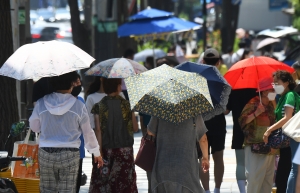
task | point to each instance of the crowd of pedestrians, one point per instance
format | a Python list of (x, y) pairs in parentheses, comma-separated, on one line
[(105, 126)]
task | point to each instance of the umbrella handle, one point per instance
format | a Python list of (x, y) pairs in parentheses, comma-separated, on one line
[(259, 93)]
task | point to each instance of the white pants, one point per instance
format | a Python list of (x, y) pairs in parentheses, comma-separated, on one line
[(259, 171)]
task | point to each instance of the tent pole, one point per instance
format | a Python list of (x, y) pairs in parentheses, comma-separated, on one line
[(154, 61)]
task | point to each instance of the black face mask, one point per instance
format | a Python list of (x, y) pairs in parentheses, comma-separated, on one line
[(76, 90)]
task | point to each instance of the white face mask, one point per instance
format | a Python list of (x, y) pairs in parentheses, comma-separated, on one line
[(279, 89), (297, 81), (271, 96)]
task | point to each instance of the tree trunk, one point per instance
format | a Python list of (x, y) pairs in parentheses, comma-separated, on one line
[(124, 42), (8, 96), (81, 37), (166, 5), (230, 15)]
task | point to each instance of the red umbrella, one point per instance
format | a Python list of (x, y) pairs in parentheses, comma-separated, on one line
[(246, 73)]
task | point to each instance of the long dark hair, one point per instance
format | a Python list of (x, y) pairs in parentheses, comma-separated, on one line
[(246, 52), (285, 76), (94, 86)]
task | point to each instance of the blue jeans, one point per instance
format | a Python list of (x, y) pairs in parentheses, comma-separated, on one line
[(291, 186)]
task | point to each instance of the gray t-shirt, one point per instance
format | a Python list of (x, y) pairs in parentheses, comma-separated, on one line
[(176, 167)]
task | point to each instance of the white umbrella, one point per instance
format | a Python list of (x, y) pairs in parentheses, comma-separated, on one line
[(141, 56), (45, 59), (266, 42)]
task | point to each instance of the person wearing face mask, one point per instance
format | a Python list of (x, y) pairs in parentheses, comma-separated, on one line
[(256, 117), (61, 119), (43, 87), (287, 106)]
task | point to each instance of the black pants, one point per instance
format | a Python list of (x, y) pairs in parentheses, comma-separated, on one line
[(283, 169), (149, 181), (79, 176)]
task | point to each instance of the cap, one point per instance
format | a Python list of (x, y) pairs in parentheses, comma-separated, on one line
[(265, 84), (211, 53)]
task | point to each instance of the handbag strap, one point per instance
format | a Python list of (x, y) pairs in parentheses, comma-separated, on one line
[(27, 137), (194, 123)]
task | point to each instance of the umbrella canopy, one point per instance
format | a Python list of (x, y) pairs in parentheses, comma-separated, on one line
[(116, 68), (45, 59), (169, 94), (155, 26), (266, 42), (218, 87), (278, 32), (246, 73), (150, 13), (141, 56)]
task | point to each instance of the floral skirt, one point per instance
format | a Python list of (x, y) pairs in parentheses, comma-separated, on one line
[(117, 174)]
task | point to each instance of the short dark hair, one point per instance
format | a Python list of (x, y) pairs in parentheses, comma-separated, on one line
[(211, 61), (64, 81), (229, 49), (110, 85), (128, 53), (285, 76)]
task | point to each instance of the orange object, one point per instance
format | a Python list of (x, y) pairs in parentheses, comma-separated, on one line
[(246, 73), (30, 168)]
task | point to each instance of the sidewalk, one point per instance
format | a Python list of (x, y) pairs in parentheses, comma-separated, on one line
[(229, 183)]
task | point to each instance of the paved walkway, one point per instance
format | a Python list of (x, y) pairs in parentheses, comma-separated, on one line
[(229, 183)]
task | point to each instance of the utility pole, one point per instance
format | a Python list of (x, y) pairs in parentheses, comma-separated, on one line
[(204, 16)]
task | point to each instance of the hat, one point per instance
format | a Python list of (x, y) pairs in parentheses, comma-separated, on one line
[(211, 53), (265, 84)]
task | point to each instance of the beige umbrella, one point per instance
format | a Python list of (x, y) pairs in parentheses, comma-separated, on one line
[(266, 42), (45, 59)]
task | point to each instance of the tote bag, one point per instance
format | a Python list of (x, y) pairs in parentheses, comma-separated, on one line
[(292, 127), (29, 168)]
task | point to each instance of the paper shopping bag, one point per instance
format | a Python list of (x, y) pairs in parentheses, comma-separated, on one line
[(30, 167)]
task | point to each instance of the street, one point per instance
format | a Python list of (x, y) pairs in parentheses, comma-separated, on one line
[(229, 183)]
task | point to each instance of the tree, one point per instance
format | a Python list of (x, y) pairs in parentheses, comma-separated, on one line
[(229, 24), (166, 5), (296, 16), (81, 36), (8, 95)]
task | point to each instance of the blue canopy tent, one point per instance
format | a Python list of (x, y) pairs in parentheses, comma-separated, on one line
[(154, 23)]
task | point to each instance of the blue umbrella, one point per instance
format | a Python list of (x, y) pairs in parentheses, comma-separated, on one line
[(218, 87), (150, 13), (155, 25)]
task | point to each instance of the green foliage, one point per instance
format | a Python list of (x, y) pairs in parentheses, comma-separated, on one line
[(183, 15), (159, 44), (296, 16)]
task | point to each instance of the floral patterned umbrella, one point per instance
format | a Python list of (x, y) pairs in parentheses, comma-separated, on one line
[(169, 94), (45, 59), (116, 68)]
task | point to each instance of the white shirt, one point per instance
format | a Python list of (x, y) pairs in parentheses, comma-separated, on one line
[(237, 55), (61, 119), (296, 159), (91, 100)]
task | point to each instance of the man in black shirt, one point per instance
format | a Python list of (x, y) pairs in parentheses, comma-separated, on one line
[(216, 133)]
